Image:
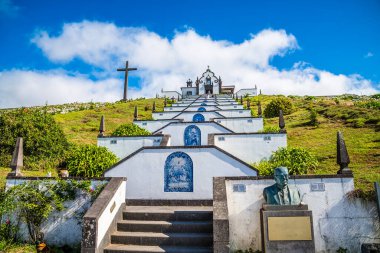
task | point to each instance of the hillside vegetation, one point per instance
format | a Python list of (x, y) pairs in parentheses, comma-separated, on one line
[(357, 117)]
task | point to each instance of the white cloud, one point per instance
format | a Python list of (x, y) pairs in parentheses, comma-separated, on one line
[(26, 88), (368, 55), (167, 63)]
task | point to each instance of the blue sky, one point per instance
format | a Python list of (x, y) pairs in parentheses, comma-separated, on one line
[(336, 41)]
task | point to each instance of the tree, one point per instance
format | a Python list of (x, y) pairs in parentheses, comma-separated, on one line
[(44, 139), (277, 104)]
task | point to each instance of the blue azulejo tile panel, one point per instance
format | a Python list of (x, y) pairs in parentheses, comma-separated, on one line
[(201, 109), (192, 136), (198, 117), (178, 173)]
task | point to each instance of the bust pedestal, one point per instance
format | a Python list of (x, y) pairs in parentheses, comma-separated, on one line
[(287, 228)]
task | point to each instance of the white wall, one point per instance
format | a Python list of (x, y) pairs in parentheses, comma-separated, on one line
[(250, 147), (170, 94), (188, 116), (338, 222), (242, 125), (193, 108), (176, 131), (153, 125), (199, 102), (250, 92), (174, 108), (228, 107), (125, 146), (106, 218), (145, 172), (193, 91), (228, 103), (164, 115), (61, 227), (235, 113)]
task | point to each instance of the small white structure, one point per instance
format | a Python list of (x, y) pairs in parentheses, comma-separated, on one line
[(250, 92), (176, 172)]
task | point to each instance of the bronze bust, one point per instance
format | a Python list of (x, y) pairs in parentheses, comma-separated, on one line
[(281, 193)]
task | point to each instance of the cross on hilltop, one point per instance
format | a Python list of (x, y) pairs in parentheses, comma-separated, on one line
[(126, 69)]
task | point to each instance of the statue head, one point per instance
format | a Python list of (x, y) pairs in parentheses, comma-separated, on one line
[(281, 176)]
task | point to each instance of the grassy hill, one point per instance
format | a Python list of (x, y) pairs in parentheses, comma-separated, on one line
[(357, 117)]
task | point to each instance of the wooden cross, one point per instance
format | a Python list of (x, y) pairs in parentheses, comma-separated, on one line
[(126, 69)]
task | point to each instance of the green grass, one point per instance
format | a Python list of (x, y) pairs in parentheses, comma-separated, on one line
[(363, 144), (82, 127)]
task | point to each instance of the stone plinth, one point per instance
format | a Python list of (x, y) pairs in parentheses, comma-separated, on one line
[(287, 229)]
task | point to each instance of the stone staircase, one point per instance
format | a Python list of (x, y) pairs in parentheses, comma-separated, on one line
[(174, 229)]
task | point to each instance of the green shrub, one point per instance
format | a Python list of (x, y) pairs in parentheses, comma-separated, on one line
[(313, 118), (43, 137), (358, 123), (270, 129), (297, 160), (130, 130), (33, 201), (277, 104), (89, 160)]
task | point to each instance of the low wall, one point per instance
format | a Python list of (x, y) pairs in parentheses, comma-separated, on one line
[(235, 113), (250, 147), (101, 219), (153, 125), (123, 146), (242, 125), (338, 221), (177, 131), (61, 228)]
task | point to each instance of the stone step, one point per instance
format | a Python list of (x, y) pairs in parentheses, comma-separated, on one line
[(165, 226), (158, 239), (168, 213), (121, 248)]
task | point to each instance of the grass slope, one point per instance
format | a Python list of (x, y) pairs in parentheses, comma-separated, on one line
[(334, 115)]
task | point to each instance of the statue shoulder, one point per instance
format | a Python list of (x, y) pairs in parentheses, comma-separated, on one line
[(271, 188)]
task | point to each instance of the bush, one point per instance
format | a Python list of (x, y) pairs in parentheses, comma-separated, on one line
[(297, 160), (277, 104), (270, 129), (89, 160), (313, 118), (130, 130), (358, 123), (33, 201), (43, 137)]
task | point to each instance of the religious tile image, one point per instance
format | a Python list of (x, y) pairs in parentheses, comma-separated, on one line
[(178, 173), (198, 117), (192, 136)]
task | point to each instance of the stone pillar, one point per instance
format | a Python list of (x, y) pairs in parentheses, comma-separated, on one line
[(102, 127), (135, 115), (17, 159), (342, 157), (281, 122)]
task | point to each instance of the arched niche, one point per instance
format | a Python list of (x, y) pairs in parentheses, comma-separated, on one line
[(178, 173)]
